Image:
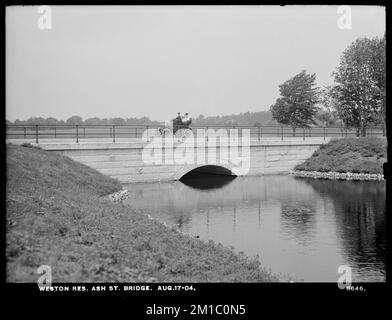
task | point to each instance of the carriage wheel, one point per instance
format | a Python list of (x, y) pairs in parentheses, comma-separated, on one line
[(178, 134), (163, 132), (166, 132), (181, 134), (158, 132), (187, 133)]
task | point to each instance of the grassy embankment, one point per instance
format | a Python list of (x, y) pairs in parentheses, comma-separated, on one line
[(57, 215), (354, 155)]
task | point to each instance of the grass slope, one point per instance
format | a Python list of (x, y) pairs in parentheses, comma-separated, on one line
[(357, 155), (56, 215)]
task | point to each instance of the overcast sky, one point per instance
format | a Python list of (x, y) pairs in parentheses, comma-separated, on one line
[(154, 61)]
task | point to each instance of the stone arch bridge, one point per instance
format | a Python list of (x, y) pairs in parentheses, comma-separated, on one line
[(128, 161)]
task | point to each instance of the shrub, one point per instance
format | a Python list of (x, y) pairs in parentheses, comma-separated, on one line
[(357, 155)]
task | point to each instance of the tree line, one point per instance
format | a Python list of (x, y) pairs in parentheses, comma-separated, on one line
[(77, 120), (242, 119), (355, 100), (260, 118)]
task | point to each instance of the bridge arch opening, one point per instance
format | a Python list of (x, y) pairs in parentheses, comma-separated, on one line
[(208, 177), (208, 170)]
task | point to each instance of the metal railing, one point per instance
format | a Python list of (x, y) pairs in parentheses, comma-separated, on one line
[(113, 132)]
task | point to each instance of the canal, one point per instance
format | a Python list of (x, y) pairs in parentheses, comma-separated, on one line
[(302, 229)]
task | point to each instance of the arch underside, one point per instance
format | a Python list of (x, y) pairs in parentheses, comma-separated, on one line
[(203, 170)]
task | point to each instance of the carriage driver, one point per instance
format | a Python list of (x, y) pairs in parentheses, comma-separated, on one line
[(178, 119)]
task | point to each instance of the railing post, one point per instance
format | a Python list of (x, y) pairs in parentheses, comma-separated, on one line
[(136, 132), (55, 133), (148, 135), (325, 129), (207, 133), (24, 132), (114, 134), (278, 131), (77, 134), (346, 131), (261, 132), (303, 133), (258, 133), (84, 132), (282, 132), (36, 133)]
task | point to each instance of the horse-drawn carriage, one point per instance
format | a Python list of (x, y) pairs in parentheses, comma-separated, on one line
[(177, 128)]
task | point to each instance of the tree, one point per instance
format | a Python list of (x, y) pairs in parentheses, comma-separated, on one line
[(327, 115), (35, 120), (379, 74), (199, 120), (360, 84), (51, 121), (327, 118), (74, 120), (297, 105), (92, 121), (145, 120), (118, 121)]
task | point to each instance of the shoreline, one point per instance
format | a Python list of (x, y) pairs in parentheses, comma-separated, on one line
[(331, 175)]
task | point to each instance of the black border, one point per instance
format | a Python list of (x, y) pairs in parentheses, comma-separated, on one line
[(255, 296)]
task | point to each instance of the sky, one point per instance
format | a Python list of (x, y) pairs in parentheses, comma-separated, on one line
[(135, 61)]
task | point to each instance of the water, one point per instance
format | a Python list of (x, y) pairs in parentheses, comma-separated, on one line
[(304, 228)]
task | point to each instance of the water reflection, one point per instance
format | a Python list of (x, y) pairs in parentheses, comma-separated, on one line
[(362, 227), (302, 227), (204, 181)]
